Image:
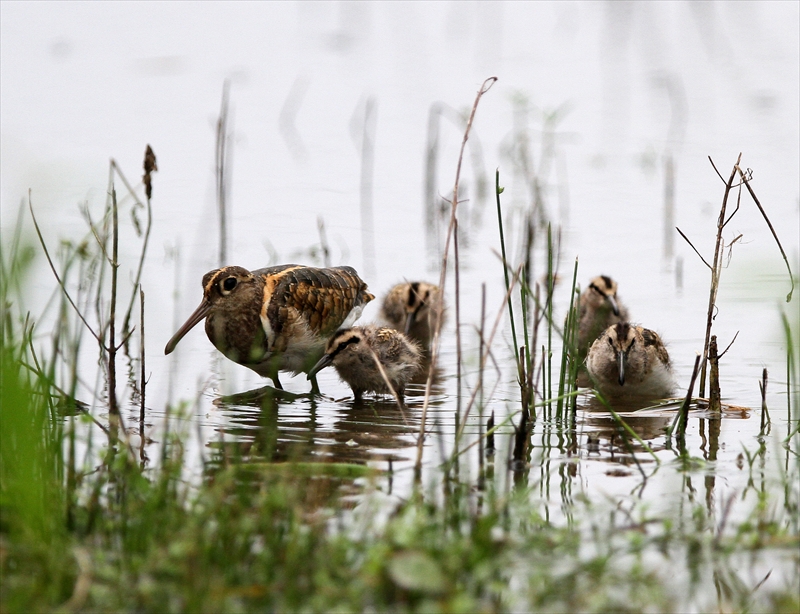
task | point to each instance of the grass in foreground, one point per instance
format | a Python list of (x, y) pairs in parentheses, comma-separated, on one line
[(131, 540)]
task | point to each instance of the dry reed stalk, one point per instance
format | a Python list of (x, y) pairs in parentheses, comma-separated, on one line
[(746, 180), (457, 270), (719, 248), (149, 166), (143, 382), (716, 270), (113, 408), (487, 84), (143, 379)]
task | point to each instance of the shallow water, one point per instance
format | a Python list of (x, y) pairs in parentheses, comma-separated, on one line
[(636, 85)]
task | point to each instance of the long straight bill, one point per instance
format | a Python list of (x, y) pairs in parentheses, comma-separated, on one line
[(199, 314)]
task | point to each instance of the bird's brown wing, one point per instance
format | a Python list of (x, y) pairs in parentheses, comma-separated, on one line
[(321, 298)]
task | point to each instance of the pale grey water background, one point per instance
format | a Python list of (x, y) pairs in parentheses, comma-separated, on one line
[(83, 82)]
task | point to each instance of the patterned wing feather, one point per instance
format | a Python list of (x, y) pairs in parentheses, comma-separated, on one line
[(321, 298)]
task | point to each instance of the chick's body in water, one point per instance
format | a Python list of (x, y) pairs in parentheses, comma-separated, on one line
[(630, 362), (357, 352), (599, 308), (410, 307)]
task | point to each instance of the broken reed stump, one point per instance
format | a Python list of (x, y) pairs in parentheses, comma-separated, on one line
[(762, 385), (714, 402), (490, 449)]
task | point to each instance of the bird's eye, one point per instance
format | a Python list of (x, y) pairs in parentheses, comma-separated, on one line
[(229, 284), (610, 342)]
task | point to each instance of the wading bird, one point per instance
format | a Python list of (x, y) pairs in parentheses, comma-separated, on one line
[(629, 361), (277, 318), (599, 308), (410, 307)]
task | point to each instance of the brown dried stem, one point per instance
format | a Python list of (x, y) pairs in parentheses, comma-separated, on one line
[(487, 84), (716, 269), (149, 166), (143, 378), (746, 181)]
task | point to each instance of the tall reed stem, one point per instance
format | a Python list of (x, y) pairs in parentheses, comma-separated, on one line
[(113, 408), (487, 84), (498, 190), (716, 269)]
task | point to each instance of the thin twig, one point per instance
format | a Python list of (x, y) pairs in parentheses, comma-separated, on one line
[(388, 383), (693, 247), (730, 344), (772, 230), (716, 170)]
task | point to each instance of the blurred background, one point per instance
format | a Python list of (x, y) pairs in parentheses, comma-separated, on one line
[(343, 126)]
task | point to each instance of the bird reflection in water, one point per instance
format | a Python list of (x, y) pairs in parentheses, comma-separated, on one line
[(649, 426), (262, 426)]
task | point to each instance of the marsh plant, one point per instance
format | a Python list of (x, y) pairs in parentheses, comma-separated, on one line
[(95, 525)]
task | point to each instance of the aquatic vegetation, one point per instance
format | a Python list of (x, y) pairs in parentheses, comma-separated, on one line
[(504, 521)]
